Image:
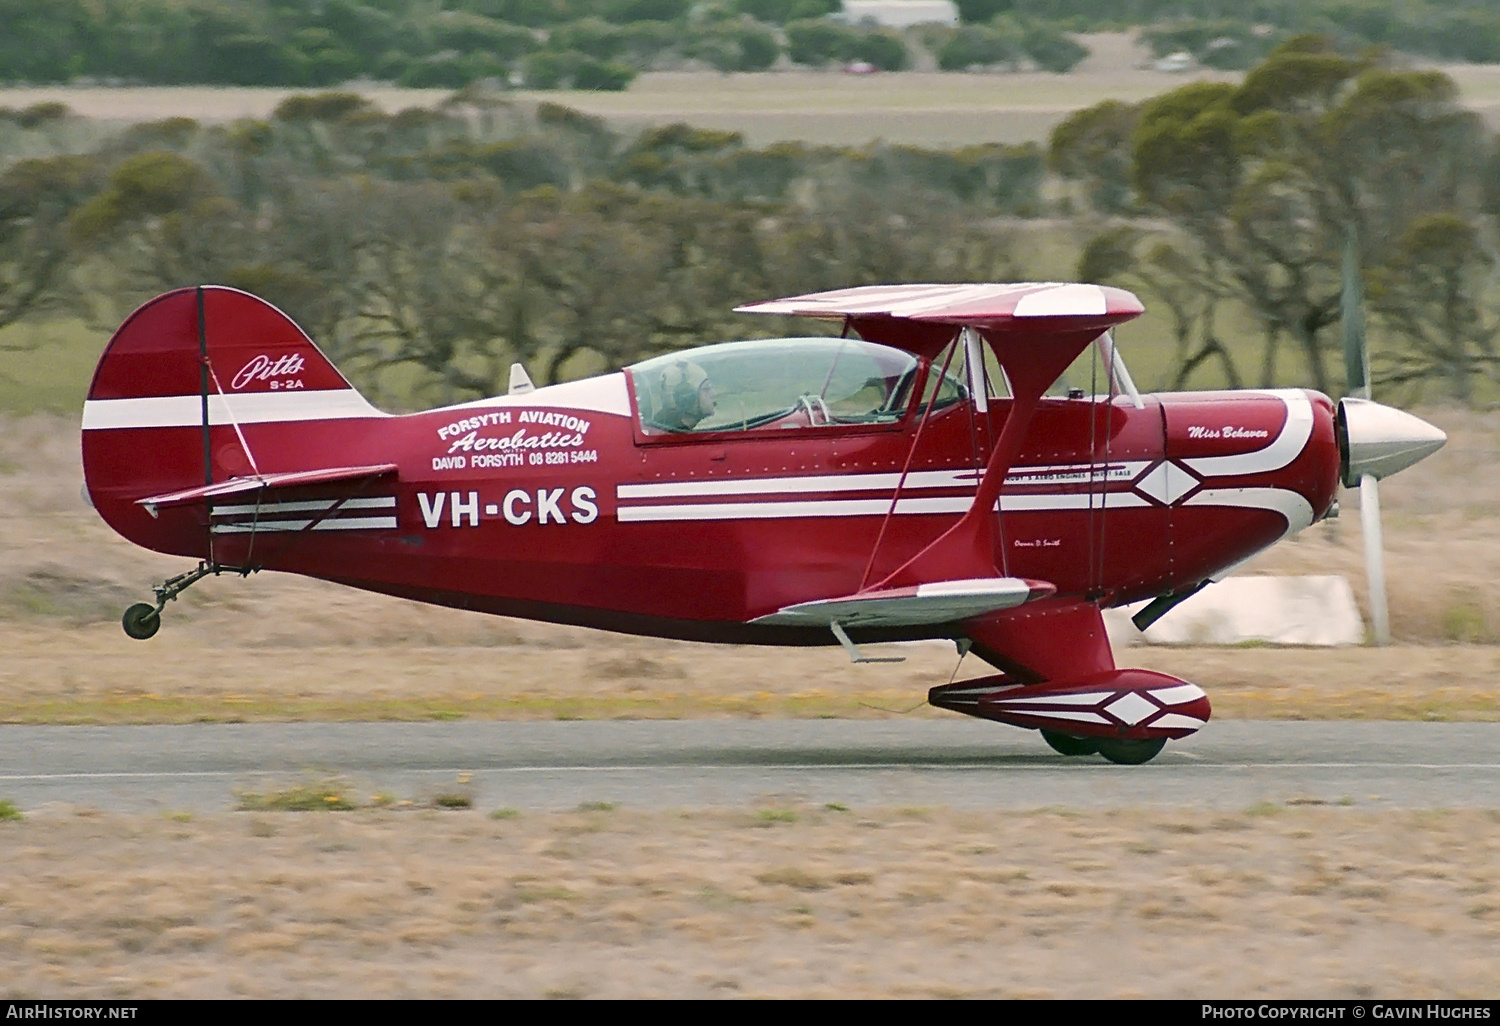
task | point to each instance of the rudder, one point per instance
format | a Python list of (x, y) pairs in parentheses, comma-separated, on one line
[(209, 350)]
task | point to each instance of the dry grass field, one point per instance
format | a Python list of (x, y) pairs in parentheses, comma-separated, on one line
[(767, 901), (924, 107)]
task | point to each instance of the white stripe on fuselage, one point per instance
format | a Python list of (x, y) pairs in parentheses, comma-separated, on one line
[(307, 506), (606, 394), (1294, 507), (774, 509), (254, 408), (1074, 473), (340, 524)]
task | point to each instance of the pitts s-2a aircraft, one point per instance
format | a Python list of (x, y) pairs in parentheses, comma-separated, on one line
[(911, 479)]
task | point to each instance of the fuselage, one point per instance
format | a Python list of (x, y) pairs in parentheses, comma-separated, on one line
[(566, 504)]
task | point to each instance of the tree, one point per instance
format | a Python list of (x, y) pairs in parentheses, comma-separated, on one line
[(1267, 179), (1092, 146), (159, 222), (884, 50), (974, 12), (1184, 284), (735, 46), (979, 46), (816, 42), (36, 254), (1431, 294), (1051, 49)]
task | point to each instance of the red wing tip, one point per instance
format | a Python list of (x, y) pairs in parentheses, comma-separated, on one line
[(1040, 589)]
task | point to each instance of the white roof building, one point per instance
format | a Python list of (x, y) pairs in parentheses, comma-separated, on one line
[(900, 14)]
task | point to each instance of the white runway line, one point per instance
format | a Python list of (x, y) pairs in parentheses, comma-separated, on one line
[(766, 767)]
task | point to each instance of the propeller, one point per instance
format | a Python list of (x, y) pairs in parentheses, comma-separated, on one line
[(1375, 441), (1357, 373)]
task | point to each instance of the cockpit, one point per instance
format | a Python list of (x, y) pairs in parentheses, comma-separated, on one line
[(788, 383), (781, 383)]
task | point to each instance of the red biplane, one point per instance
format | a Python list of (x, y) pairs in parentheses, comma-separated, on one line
[(969, 462)]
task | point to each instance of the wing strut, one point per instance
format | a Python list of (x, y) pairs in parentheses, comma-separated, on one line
[(967, 549)]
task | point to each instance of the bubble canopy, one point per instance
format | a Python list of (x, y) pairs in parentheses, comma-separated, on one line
[(776, 383)]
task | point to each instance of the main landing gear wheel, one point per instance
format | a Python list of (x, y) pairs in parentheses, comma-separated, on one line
[(1067, 744), (141, 621), (1130, 752)]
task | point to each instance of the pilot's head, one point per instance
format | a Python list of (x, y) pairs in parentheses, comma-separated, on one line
[(687, 396)]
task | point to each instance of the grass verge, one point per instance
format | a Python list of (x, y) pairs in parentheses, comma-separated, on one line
[(1277, 899), (1310, 702)]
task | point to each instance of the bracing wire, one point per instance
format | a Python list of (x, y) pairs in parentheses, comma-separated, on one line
[(1093, 466), (910, 453)]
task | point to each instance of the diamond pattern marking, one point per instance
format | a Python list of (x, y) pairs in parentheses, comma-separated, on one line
[(1130, 708), (1166, 483)]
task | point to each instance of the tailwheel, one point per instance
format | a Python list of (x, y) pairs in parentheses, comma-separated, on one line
[(1128, 751), (141, 621), (1067, 744)]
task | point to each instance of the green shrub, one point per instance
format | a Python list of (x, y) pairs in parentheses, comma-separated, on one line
[(814, 43), (591, 36), (550, 69), (1052, 49), (322, 796), (602, 76), (885, 50), (978, 46)]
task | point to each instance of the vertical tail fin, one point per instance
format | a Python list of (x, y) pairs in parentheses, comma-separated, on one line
[(198, 386)]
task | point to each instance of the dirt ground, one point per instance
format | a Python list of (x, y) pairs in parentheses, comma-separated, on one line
[(757, 902)]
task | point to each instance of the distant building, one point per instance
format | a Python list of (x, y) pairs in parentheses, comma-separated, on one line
[(900, 14), (1174, 62)]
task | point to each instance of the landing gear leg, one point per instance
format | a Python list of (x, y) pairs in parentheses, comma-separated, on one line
[(143, 620)]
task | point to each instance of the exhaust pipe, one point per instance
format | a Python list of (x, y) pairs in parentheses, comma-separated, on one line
[(1378, 440)]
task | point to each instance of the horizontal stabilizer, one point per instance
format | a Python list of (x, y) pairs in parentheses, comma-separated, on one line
[(259, 482), (920, 605)]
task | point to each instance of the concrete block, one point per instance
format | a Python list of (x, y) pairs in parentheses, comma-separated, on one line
[(1276, 610)]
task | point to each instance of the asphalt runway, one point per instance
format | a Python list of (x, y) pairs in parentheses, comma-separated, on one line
[(697, 763)]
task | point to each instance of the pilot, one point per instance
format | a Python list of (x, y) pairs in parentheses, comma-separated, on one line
[(687, 396)]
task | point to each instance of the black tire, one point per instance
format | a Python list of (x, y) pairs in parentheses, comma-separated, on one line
[(141, 621), (1067, 744), (1128, 752)]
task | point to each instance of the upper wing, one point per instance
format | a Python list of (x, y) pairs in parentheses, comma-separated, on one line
[(916, 606), (921, 318)]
